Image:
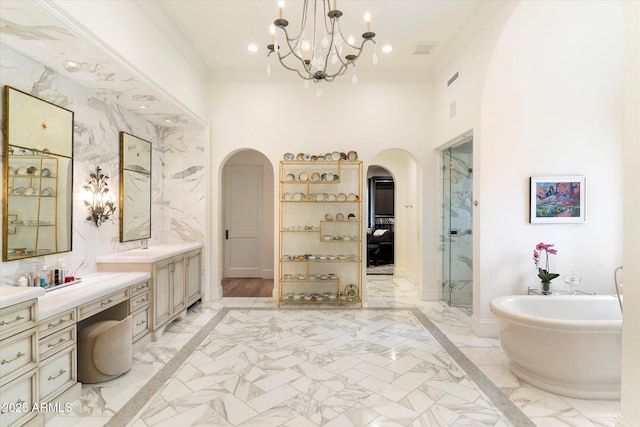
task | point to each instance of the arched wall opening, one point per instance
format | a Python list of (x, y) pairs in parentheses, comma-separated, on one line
[(380, 220), (246, 216), (408, 202)]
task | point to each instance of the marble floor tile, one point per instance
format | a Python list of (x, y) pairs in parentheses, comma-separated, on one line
[(298, 366)]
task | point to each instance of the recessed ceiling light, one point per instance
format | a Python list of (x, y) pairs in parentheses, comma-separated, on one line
[(252, 48), (167, 120), (142, 107), (71, 66), (387, 48)]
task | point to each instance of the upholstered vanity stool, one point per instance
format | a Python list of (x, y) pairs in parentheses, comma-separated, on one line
[(104, 350)]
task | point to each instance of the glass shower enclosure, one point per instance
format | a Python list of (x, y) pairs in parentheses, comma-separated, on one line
[(456, 234)]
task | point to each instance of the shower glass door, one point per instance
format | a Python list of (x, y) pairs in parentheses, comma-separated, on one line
[(456, 237)]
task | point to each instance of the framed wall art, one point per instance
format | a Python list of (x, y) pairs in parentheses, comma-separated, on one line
[(558, 199)]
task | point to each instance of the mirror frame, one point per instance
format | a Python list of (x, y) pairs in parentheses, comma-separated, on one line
[(41, 131), (135, 168)]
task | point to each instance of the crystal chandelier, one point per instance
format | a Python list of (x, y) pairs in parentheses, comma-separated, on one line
[(319, 51)]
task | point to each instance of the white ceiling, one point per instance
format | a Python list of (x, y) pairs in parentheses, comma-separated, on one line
[(220, 31), (213, 36)]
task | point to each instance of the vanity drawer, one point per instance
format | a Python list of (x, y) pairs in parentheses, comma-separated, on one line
[(17, 318), (55, 323), (57, 341), (17, 354), (103, 303), (57, 373), (140, 322), (18, 397), (139, 288), (139, 301)]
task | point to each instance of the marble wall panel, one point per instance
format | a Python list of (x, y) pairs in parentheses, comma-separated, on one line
[(457, 248), (177, 155)]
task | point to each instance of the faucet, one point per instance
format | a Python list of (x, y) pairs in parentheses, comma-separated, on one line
[(618, 285)]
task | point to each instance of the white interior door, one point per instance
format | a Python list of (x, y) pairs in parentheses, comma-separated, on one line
[(243, 221)]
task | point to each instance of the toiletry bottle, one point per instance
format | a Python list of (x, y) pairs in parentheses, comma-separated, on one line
[(44, 277), (62, 274)]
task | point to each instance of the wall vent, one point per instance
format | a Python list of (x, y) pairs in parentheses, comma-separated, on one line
[(424, 48), (452, 79)]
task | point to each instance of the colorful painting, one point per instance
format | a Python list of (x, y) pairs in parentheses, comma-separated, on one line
[(558, 199)]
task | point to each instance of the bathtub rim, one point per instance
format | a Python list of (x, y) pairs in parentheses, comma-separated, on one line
[(504, 313)]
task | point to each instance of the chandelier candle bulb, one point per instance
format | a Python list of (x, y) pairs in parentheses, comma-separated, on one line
[(367, 20), (335, 4), (281, 9)]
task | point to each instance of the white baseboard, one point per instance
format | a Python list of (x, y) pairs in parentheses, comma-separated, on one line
[(431, 295), (485, 328), (624, 422)]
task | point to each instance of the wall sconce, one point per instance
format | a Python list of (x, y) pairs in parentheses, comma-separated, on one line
[(100, 206)]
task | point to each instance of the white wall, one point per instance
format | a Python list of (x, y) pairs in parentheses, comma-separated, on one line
[(630, 410), (276, 117), (552, 105)]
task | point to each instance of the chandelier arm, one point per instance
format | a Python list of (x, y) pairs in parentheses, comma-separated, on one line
[(308, 77), (326, 59), (291, 48)]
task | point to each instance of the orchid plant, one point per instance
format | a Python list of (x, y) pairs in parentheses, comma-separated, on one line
[(543, 273)]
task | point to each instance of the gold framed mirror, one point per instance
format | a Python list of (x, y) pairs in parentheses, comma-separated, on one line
[(135, 188), (38, 177)]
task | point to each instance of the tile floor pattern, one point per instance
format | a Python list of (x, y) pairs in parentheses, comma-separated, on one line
[(242, 362)]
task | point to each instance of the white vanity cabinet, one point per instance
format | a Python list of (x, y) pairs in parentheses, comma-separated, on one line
[(57, 349), (193, 272), (169, 294), (176, 271), (19, 362), (140, 310)]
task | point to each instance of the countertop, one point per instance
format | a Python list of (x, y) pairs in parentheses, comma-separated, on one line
[(91, 287), (153, 254), (12, 295)]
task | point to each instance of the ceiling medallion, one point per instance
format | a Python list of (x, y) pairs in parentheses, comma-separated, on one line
[(319, 51)]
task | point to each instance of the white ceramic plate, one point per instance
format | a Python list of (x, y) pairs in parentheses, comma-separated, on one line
[(289, 156), (352, 155), (351, 197), (315, 176), (303, 176), (285, 196), (342, 197), (335, 156), (290, 177)]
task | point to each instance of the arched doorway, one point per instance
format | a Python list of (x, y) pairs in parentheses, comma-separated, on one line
[(407, 221), (247, 217), (380, 222)]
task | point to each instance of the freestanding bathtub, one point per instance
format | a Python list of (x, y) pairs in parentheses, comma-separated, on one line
[(565, 344)]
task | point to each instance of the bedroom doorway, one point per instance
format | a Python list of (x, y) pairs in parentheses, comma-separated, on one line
[(380, 221)]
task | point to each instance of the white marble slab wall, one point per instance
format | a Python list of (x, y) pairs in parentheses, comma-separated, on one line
[(457, 215), (182, 203), (97, 123)]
